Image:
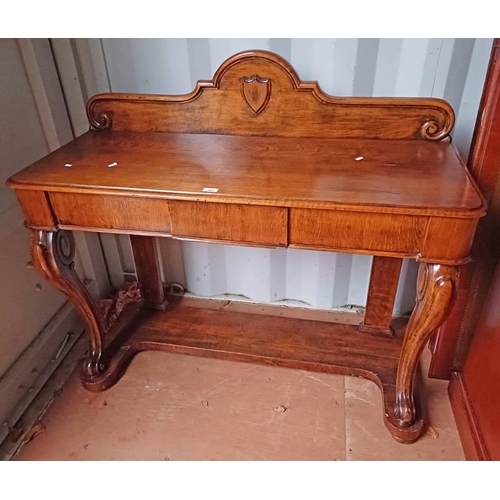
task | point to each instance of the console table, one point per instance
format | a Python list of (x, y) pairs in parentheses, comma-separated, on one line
[(258, 157)]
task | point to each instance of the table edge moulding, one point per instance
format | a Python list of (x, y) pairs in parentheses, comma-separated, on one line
[(258, 157)]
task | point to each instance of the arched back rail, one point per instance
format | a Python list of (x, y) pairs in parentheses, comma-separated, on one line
[(259, 93)]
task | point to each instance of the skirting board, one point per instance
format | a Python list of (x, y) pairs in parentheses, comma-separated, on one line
[(467, 424)]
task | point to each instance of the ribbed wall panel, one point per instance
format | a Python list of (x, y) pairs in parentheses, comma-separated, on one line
[(453, 69)]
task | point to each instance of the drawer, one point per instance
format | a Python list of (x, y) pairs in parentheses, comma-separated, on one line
[(111, 212), (228, 222), (339, 230), (183, 219)]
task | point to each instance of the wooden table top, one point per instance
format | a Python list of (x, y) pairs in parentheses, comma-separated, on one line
[(404, 176)]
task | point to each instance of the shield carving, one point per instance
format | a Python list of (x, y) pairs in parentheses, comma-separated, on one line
[(256, 92)]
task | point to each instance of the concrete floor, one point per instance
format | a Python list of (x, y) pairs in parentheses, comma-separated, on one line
[(174, 407)]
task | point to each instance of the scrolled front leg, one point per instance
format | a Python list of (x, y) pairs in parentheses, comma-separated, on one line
[(53, 255), (436, 287)]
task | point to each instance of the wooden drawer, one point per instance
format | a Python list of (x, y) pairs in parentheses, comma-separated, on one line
[(339, 230), (183, 219), (111, 212), (231, 223)]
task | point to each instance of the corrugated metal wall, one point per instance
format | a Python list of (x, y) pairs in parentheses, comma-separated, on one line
[(453, 69)]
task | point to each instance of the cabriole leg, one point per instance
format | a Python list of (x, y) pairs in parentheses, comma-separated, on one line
[(436, 288), (53, 255)]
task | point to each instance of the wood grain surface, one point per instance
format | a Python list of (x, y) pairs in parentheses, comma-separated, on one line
[(350, 230), (228, 222), (147, 268), (257, 157), (382, 291), (406, 177), (278, 104)]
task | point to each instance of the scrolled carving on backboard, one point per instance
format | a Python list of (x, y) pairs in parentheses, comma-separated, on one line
[(256, 92), (433, 131), (98, 120), (247, 83)]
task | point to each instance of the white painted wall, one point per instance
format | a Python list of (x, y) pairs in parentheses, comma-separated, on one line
[(450, 68)]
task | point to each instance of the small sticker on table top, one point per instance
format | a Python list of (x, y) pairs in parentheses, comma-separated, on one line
[(210, 190)]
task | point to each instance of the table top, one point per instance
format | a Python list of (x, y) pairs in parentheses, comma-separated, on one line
[(402, 176)]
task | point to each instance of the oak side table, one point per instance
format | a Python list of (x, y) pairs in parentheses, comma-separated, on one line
[(258, 157)]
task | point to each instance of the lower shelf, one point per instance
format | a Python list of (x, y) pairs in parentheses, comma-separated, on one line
[(186, 328)]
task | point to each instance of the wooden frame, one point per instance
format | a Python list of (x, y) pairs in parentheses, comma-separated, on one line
[(257, 157), (471, 384), (452, 341)]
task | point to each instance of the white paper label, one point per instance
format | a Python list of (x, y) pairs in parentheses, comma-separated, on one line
[(210, 190)]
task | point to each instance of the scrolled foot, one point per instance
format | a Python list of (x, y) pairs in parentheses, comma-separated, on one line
[(405, 410), (403, 431), (92, 365)]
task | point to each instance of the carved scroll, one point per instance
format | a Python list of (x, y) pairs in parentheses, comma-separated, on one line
[(53, 255)]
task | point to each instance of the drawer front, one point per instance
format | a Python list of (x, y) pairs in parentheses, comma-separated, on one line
[(338, 230), (183, 219), (111, 212), (229, 222)]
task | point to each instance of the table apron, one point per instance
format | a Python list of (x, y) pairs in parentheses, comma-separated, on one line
[(440, 239)]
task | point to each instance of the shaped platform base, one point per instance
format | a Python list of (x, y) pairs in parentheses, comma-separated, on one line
[(256, 338)]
